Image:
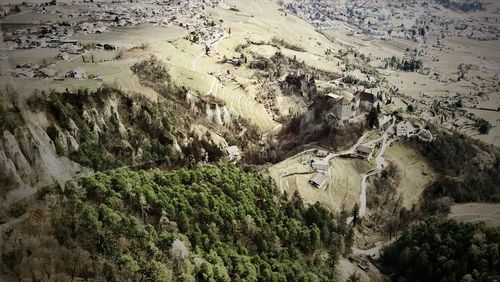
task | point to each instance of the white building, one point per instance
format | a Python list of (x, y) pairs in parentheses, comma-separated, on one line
[(233, 152), (320, 165), (321, 153), (384, 121)]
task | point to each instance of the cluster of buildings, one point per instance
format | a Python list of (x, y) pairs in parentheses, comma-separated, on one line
[(32, 71), (36, 71), (402, 130), (387, 19), (320, 164), (347, 108), (7, 10), (449, 112), (54, 34), (372, 20), (48, 35), (186, 14)]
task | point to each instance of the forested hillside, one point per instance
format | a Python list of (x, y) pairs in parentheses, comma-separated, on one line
[(468, 170), (211, 223), (445, 250)]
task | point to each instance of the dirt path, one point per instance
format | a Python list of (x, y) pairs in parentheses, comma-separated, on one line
[(351, 150), (379, 167), (476, 212), (373, 252), (362, 194)]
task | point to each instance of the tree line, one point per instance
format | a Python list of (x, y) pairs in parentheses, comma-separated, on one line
[(468, 170)]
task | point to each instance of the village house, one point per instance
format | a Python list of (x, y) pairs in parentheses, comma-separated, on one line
[(365, 100), (24, 71), (405, 129), (384, 121), (46, 72), (71, 48), (318, 180), (425, 135), (7, 46), (320, 165), (364, 152), (358, 119), (89, 28)]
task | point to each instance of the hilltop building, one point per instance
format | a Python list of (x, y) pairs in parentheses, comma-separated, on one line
[(344, 108)]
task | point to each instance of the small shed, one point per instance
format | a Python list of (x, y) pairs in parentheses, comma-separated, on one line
[(321, 153), (318, 180)]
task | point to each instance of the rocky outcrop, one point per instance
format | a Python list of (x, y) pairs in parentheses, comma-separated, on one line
[(28, 159)]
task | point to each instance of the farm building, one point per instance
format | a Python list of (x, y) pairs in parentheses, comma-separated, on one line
[(364, 152), (320, 165), (318, 180)]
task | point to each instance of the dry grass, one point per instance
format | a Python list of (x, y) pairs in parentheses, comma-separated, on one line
[(415, 173), (476, 212), (342, 190)]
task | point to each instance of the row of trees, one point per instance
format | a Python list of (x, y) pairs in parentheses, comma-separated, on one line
[(464, 6), (405, 65)]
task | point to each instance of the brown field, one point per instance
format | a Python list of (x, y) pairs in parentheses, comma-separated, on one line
[(412, 168), (476, 212), (343, 187)]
